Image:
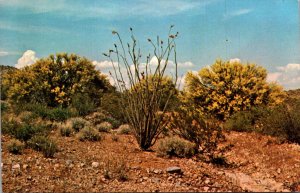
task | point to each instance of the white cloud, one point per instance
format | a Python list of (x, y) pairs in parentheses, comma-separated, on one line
[(27, 59), (288, 76), (273, 77), (236, 13), (171, 63), (107, 68), (3, 53), (104, 65), (235, 60)]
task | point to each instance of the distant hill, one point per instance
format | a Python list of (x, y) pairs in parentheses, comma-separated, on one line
[(4, 68), (294, 93)]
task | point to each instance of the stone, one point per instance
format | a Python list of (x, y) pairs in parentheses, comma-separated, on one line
[(95, 164), (68, 162), (145, 178), (206, 189), (174, 169), (25, 166), (16, 167), (155, 180), (157, 171), (207, 181), (249, 184), (278, 170)]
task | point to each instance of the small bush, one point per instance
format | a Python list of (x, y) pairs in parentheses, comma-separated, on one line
[(4, 106), (83, 104), (65, 131), (177, 147), (125, 129), (44, 144), (111, 102), (15, 146), (9, 125), (27, 117), (114, 137), (104, 127), (24, 132), (115, 167), (240, 121), (59, 114), (282, 122), (99, 117), (246, 121), (89, 134), (191, 125), (78, 124)]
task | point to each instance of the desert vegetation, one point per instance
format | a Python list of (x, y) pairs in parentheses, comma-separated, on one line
[(62, 107)]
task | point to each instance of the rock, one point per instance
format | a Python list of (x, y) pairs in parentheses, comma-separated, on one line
[(1, 165), (207, 181), (206, 188), (95, 164), (174, 169), (249, 184), (278, 170), (16, 167), (145, 178), (155, 180), (136, 167), (68, 162), (56, 165), (25, 166), (157, 171)]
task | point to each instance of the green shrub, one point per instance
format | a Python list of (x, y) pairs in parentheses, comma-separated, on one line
[(283, 122), (125, 129), (246, 121), (65, 131), (27, 117), (44, 144), (111, 103), (15, 146), (191, 125), (78, 123), (83, 104), (175, 146), (8, 125), (99, 117), (38, 109), (24, 132), (4, 106), (240, 121), (89, 134), (104, 127), (59, 114)]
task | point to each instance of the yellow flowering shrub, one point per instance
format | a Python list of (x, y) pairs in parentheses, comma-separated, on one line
[(55, 80), (224, 88)]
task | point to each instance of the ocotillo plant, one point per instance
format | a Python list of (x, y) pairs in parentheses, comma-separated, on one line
[(141, 104)]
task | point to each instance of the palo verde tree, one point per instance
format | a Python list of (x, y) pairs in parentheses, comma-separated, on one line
[(55, 80), (227, 87), (143, 103)]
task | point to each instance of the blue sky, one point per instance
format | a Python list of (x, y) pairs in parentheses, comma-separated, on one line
[(265, 32)]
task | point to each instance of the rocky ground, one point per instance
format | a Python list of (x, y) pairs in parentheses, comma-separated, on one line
[(256, 163)]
